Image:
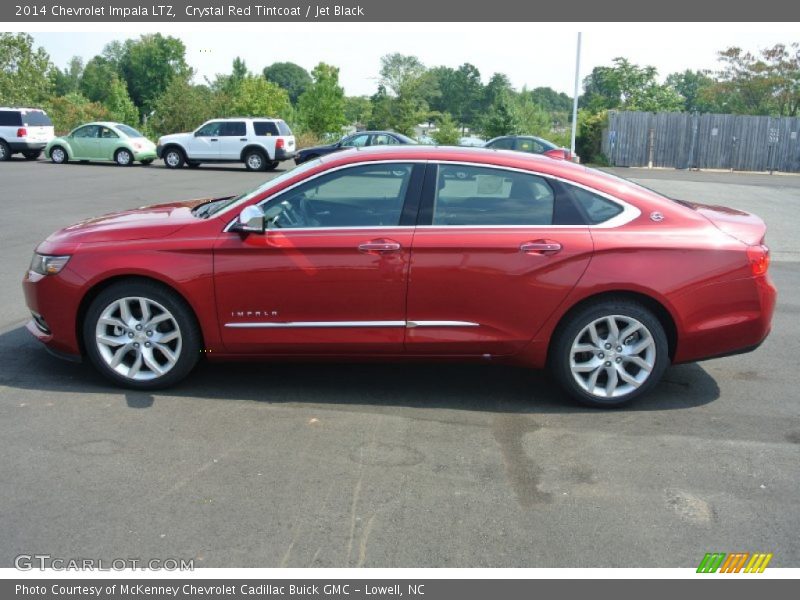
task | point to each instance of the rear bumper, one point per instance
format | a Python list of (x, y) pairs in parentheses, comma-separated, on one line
[(726, 318), (281, 154), (26, 146)]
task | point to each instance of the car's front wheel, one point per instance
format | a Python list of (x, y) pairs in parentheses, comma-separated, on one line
[(58, 155), (141, 335), (123, 157), (610, 352), (174, 158)]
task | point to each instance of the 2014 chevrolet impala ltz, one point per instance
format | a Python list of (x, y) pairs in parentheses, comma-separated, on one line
[(409, 252)]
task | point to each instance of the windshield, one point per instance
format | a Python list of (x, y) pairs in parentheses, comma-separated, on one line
[(209, 209), (129, 131)]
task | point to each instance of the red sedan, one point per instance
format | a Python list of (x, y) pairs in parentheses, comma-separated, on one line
[(409, 252)]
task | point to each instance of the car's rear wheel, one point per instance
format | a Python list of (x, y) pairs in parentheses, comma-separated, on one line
[(141, 335), (123, 157), (32, 155), (58, 155), (255, 160), (173, 158), (5, 151), (610, 352)]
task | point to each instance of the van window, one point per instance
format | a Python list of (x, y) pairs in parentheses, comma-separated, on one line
[(36, 118), (10, 118)]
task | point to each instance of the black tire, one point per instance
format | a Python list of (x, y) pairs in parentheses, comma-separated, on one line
[(271, 166), (123, 157), (147, 161), (572, 331), (59, 155), (33, 155), (173, 157), (5, 151), (255, 160), (188, 352)]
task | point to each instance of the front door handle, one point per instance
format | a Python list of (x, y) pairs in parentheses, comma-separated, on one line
[(242, 139), (213, 140), (379, 246), (540, 247)]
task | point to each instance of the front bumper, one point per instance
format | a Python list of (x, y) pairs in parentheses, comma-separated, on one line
[(54, 300), (146, 155)]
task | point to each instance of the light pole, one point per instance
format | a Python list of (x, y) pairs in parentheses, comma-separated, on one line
[(575, 96)]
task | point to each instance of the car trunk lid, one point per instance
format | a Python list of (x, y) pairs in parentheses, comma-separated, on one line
[(743, 226)]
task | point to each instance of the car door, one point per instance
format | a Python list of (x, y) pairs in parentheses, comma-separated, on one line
[(84, 142), (205, 142), (488, 264), (330, 275), (107, 144), (232, 139)]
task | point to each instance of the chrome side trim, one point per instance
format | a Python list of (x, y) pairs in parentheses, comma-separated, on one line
[(441, 324), (311, 324), (345, 324)]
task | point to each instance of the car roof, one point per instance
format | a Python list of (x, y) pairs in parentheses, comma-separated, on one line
[(22, 109)]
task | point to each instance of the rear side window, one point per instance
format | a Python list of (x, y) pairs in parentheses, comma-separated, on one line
[(36, 118), (596, 208), (10, 118), (265, 128), (486, 196), (233, 128)]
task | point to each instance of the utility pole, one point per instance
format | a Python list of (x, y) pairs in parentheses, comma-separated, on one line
[(575, 96)]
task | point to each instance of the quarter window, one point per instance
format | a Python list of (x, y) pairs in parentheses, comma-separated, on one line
[(485, 196), (363, 196), (595, 208)]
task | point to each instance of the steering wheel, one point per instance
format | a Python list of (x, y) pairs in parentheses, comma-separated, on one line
[(295, 212)]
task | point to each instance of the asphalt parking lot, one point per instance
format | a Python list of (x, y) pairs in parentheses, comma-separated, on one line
[(333, 465)]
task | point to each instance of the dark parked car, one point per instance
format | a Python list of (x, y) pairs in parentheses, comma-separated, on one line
[(356, 140), (531, 145)]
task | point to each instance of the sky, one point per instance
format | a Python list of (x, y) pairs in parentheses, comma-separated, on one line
[(531, 54)]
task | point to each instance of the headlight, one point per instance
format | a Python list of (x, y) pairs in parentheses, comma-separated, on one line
[(44, 264)]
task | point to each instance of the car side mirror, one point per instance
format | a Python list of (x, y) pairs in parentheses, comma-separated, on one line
[(251, 220)]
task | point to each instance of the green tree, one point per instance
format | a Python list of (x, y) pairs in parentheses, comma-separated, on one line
[(629, 87), (550, 100), (24, 71), (447, 132), (321, 106), (380, 109), (290, 76), (119, 104), (183, 107), (149, 65), (254, 96), (68, 80), (357, 109), (67, 112), (97, 77), (404, 77), (695, 88), (501, 118), (531, 118)]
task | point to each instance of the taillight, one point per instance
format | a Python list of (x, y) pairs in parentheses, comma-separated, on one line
[(759, 259), (22, 132), (279, 144)]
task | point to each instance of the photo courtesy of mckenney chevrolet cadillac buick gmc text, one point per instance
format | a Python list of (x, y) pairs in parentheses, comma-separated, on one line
[(416, 252)]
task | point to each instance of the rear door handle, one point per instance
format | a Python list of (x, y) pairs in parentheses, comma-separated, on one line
[(242, 139), (213, 140), (379, 246), (540, 247)]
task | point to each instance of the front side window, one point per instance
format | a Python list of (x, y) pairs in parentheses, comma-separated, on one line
[(362, 196), (471, 196), (233, 129), (90, 131), (209, 129), (10, 118)]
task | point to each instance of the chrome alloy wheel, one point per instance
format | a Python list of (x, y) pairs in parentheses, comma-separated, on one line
[(138, 338), (172, 158), (255, 161), (612, 356), (58, 155), (124, 158)]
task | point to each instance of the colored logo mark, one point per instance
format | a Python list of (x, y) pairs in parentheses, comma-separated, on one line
[(735, 562)]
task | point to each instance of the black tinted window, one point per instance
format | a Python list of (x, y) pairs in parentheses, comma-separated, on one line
[(486, 196), (10, 118), (36, 118), (209, 129), (501, 144), (265, 128), (596, 208), (234, 128), (364, 196)]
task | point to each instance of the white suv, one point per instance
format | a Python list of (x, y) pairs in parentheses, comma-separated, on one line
[(259, 143), (24, 130)]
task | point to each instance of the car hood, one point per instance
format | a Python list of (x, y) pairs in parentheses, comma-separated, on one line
[(143, 223), (174, 136)]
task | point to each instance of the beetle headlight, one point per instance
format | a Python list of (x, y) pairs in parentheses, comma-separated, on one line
[(44, 264)]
